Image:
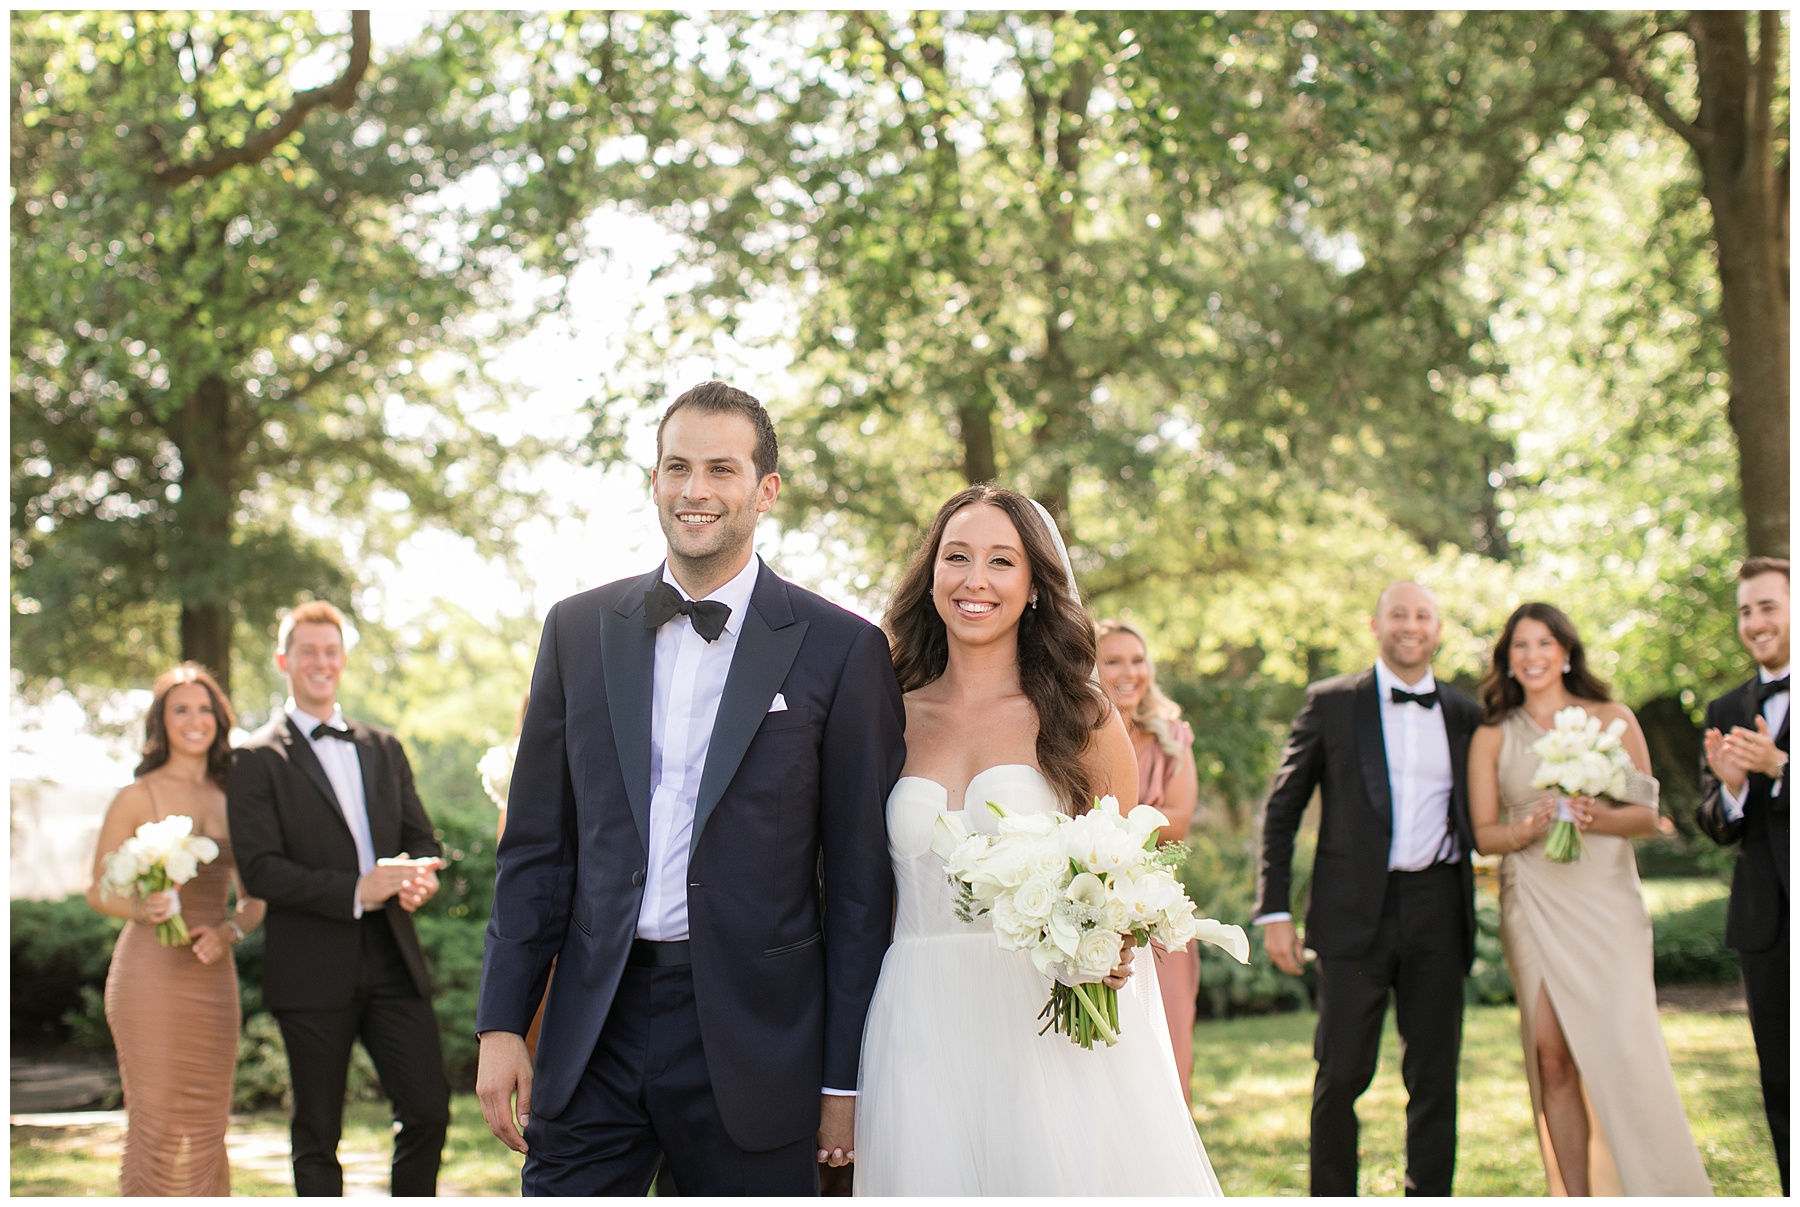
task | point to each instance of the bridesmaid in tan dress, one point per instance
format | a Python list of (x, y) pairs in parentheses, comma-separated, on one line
[(1577, 935), (1167, 781), (174, 1010)]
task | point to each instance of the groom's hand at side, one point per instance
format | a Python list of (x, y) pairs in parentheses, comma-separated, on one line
[(503, 1069), (837, 1129), (1284, 946)]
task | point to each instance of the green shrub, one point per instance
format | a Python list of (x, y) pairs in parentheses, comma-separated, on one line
[(262, 1070), (1690, 946), (1490, 981), (453, 953), (1220, 876), (58, 947)]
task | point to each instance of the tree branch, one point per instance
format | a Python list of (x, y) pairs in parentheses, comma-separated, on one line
[(1624, 68), (340, 94)]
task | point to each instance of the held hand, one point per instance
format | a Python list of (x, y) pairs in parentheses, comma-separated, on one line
[(1724, 763), (837, 1130), (1117, 977), (211, 943), (1534, 827), (1581, 810), (1284, 947), (503, 1071), (420, 888), (159, 907), (1755, 750)]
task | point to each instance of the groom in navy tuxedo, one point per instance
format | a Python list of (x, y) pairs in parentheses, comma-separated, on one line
[(1744, 801), (695, 833)]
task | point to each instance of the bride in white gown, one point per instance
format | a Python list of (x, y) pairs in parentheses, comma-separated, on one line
[(959, 1094)]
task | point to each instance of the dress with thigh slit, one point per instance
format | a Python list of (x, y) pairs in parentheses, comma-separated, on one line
[(1580, 932)]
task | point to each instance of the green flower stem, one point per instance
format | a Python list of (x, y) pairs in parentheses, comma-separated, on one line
[(1098, 1012)]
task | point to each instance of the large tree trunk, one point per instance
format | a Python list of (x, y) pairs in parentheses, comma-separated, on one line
[(201, 562), (1750, 230)]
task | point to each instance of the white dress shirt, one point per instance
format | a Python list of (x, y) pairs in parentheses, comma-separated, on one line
[(1419, 779), (343, 767), (1419, 775), (1774, 711), (688, 682)]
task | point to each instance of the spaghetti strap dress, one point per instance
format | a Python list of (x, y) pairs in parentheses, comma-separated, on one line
[(1580, 931), (175, 1024)]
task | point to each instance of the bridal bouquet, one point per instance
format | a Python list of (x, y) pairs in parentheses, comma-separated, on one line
[(1068, 890), (495, 769), (162, 855), (1581, 759)]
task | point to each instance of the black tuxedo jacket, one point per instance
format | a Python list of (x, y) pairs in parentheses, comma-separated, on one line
[(790, 894), (1336, 746), (294, 850), (1759, 881)]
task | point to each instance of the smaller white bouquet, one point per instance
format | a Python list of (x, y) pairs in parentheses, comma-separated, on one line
[(496, 769), (162, 855), (1068, 890), (1582, 759)]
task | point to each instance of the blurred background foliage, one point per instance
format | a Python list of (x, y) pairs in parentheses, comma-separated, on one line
[(1271, 308)]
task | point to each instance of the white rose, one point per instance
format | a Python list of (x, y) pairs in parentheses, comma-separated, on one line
[(1009, 928), (1098, 952), (1035, 900), (1113, 915), (1047, 859), (1039, 824)]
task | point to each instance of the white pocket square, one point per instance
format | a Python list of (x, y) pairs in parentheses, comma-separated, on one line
[(779, 704)]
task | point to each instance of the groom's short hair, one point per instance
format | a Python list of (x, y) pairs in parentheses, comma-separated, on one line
[(1756, 567), (313, 611), (717, 398)]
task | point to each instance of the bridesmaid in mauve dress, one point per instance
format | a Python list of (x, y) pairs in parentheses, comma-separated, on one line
[(174, 1011), (1577, 936), (1166, 781)]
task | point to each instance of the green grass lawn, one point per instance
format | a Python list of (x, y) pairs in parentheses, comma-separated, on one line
[(1253, 1095), (1666, 895)]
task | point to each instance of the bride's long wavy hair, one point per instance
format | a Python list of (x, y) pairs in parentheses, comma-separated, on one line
[(1056, 642)]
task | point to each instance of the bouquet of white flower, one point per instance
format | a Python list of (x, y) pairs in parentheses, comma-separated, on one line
[(1068, 890), (162, 855), (495, 769), (1582, 759)]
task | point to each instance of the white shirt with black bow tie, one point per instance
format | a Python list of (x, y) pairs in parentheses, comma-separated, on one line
[(343, 767)]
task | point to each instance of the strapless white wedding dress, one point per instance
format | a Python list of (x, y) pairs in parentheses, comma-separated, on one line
[(960, 1094)]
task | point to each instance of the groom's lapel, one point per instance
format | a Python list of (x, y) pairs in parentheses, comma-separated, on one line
[(628, 659), (766, 648), (1371, 751)]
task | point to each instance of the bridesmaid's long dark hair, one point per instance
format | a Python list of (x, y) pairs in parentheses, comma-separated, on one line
[(1501, 693), (156, 725), (1056, 642)]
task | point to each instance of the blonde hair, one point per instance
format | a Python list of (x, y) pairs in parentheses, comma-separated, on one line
[(313, 611), (1155, 713)]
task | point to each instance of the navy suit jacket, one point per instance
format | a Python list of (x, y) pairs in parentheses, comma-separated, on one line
[(1336, 746), (1755, 917), (790, 893)]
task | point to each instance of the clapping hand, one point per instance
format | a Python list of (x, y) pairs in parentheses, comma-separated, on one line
[(414, 881), (1750, 749)]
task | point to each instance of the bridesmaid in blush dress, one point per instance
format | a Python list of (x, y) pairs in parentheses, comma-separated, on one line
[(1577, 936), (1166, 781), (174, 1011)]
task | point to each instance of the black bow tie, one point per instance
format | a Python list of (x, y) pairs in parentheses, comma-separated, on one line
[(1422, 699), (332, 731), (1773, 687), (663, 603)]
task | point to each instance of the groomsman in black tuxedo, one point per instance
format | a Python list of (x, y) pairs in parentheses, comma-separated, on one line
[(319, 808), (696, 833), (1744, 800), (1392, 905)]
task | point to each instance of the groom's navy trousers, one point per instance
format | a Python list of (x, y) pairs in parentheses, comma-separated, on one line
[(646, 1092)]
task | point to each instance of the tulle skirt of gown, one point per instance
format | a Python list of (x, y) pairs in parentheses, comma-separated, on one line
[(175, 1023), (960, 1095)]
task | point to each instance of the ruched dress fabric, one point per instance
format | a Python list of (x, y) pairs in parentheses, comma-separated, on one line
[(1581, 930), (175, 1023), (959, 1094)]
